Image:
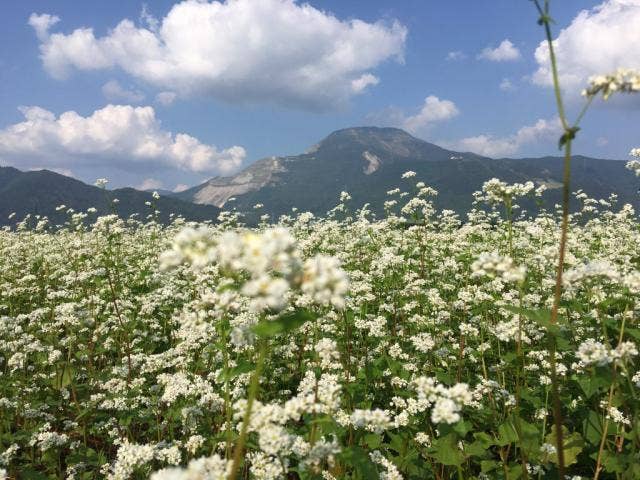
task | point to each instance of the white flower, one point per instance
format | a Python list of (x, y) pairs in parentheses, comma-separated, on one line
[(548, 448), (376, 420), (493, 264), (497, 191), (617, 416), (327, 350), (324, 281), (445, 410), (622, 80), (591, 352), (267, 292), (101, 183), (634, 165), (205, 468)]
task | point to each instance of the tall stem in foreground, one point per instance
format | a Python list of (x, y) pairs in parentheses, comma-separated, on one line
[(253, 392), (566, 139), (557, 408)]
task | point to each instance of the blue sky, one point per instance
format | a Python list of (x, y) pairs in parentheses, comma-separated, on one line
[(276, 89)]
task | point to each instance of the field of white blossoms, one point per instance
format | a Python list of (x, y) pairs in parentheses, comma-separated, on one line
[(415, 346)]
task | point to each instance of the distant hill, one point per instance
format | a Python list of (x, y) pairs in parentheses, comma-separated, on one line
[(369, 161), (40, 192), (364, 161)]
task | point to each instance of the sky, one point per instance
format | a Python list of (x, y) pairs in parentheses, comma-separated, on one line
[(165, 94)]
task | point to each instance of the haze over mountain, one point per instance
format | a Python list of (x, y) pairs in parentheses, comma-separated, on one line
[(40, 192), (369, 161)]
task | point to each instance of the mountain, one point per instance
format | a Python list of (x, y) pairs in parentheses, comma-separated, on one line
[(40, 192), (369, 161)]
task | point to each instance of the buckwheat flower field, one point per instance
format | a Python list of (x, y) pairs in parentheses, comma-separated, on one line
[(414, 346), (421, 344)]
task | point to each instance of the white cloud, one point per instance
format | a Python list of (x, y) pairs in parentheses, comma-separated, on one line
[(150, 184), (456, 55), (119, 135), (433, 110), (113, 91), (490, 146), (505, 52), (602, 141), (361, 83), (506, 85), (165, 98), (181, 187), (597, 41), (42, 23), (240, 51)]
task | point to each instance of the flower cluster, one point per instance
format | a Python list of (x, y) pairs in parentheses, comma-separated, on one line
[(497, 191), (622, 81), (447, 402), (271, 259), (492, 264)]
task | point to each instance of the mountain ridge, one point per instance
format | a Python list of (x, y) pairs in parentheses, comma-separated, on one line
[(364, 161), (368, 161), (40, 192)]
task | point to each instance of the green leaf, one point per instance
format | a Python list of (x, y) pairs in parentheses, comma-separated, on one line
[(484, 439), (542, 316), (373, 440), (633, 332), (573, 444), (445, 450), (29, 474), (488, 465), (360, 462), (612, 463), (242, 367), (284, 323), (65, 378), (515, 471), (592, 428), (594, 383), (507, 434), (462, 428), (569, 134)]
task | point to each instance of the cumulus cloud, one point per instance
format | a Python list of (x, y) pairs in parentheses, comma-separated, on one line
[(242, 51), (166, 98), (490, 146), (113, 91), (433, 110), (597, 41), (505, 52), (42, 23), (150, 184), (119, 135)]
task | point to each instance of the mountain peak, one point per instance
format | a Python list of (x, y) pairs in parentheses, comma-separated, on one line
[(383, 141), (367, 134)]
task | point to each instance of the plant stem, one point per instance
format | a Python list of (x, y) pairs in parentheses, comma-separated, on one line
[(253, 391), (569, 133)]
